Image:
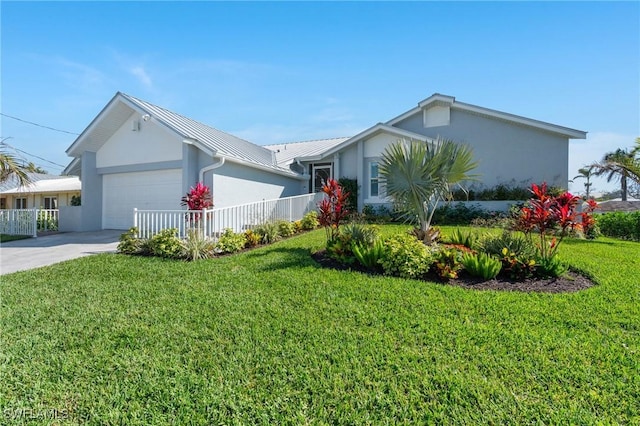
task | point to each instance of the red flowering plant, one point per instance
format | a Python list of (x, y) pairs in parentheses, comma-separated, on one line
[(588, 223), (548, 216), (198, 198), (332, 208)]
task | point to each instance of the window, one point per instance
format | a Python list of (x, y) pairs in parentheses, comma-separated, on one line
[(3, 203), (320, 174), (21, 203), (374, 180), (50, 203)]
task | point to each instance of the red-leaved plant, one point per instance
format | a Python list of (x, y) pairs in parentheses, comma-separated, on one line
[(548, 216), (198, 198), (588, 223), (332, 208)]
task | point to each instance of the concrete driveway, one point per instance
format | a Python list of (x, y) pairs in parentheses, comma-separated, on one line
[(32, 253)]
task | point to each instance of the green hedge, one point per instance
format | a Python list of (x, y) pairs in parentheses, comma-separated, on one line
[(624, 225)]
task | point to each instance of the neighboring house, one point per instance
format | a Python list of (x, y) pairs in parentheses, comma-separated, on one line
[(137, 155), (45, 192)]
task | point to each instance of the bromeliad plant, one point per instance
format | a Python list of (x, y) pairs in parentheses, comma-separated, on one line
[(548, 216), (333, 208)]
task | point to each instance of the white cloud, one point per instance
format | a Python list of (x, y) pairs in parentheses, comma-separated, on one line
[(591, 150), (141, 74)]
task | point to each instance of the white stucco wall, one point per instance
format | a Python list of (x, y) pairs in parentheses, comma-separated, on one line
[(234, 184), (149, 144)]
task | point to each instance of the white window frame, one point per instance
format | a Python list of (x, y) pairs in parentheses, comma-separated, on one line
[(381, 196), (51, 199), (20, 201)]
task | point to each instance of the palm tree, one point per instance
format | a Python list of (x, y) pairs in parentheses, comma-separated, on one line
[(586, 173), (419, 175), (10, 167), (621, 164)]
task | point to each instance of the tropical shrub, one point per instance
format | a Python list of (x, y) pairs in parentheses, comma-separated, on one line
[(546, 215), (458, 214), (623, 225), (369, 255), (251, 238), (419, 175), (196, 246), (129, 242), (333, 208), (465, 238), (552, 267), (76, 200), (447, 262), (285, 228), (166, 244), (481, 265), (588, 223), (230, 242), (358, 233), (297, 226), (310, 221), (406, 257), (198, 198), (268, 232), (512, 241), (45, 221), (340, 248)]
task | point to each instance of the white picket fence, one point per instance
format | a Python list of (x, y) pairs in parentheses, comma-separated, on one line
[(214, 221), (28, 221)]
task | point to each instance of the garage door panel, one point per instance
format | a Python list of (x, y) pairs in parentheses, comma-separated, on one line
[(151, 190)]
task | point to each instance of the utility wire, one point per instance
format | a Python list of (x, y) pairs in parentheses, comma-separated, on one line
[(31, 155), (39, 125)]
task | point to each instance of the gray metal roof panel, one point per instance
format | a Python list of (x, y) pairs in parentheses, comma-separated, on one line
[(286, 153), (223, 143)]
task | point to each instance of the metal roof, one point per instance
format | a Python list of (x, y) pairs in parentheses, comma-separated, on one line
[(218, 141), (41, 183), (286, 153)]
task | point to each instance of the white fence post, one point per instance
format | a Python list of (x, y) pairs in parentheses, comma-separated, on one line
[(35, 222), (135, 222)]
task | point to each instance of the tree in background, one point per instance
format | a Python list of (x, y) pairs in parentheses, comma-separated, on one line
[(621, 164), (11, 167), (586, 173)]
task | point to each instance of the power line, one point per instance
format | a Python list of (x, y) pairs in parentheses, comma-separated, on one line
[(30, 155), (39, 125)]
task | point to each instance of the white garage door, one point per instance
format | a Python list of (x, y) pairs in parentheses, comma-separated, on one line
[(154, 190)]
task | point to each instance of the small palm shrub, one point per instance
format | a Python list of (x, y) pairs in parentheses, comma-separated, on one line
[(230, 242), (467, 239), (268, 232), (196, 246), (129, 242), (310, 221), (369, 256), (251, 238), (405, 256), (481, 265), (285, 228), (166, 244)]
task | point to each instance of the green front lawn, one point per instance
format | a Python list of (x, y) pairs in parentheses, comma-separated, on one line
[(267, 337), (5, 238)]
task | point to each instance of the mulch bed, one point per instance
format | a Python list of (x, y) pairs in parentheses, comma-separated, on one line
[(570, 282)]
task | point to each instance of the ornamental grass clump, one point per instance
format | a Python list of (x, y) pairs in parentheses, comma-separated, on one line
[(481, 265)]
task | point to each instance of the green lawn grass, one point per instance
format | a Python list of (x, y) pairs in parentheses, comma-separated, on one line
[(4, 238), (267, 337)]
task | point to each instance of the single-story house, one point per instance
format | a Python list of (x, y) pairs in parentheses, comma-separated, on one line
[(44, 192), (138, 155)]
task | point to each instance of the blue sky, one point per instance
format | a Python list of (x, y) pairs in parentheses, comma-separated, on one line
[(282, 72)]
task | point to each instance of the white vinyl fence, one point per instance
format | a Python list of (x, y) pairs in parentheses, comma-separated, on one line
[(28, 221), (214, 221)]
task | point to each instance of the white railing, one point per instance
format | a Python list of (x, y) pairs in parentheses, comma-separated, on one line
[(28, 221), (214, 221)]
